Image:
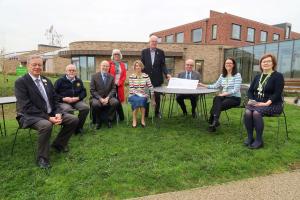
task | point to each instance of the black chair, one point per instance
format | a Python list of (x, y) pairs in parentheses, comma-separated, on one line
[(15, 138), (244, 101)]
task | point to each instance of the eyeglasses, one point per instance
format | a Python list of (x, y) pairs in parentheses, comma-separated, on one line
[(72, 70), (189, 65), (267, 61), (228, 63)]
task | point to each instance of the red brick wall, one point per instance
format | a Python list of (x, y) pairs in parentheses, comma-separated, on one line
[(224, 23)]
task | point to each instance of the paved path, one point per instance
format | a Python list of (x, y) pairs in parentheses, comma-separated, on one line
[(285, 186)]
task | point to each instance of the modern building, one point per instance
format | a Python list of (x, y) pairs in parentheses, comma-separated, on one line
[(206, 41), (227, 29)]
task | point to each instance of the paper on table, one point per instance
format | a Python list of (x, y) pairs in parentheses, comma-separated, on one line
[(181, 83)]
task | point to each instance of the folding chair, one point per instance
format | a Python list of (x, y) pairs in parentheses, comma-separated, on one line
[(15, 138)]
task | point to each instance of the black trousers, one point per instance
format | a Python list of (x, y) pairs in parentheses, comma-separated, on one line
[(222, 103), (180, 100)]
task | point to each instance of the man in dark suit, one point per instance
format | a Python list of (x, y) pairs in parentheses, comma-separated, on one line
[(37, 108), (192, 75), (103, 92), (155, 66)]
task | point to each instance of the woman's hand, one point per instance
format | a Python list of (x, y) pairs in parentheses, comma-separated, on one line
[(202, 85), (260, 104)]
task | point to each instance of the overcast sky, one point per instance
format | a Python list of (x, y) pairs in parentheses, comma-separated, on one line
[(24, 22)]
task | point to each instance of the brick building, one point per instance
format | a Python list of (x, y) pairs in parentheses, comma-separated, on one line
[(227, 29)]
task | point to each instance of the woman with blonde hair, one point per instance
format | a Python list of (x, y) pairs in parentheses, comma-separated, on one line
[(139, 85)]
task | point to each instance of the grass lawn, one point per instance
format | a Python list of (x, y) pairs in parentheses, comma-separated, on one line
[(123, 162)]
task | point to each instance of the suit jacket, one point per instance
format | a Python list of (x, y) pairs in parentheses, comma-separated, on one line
[(158, 68), (195, 75), (99, 89), (31, 106)]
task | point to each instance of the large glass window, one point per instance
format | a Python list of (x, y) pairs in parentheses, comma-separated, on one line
[(296, 60), (214, 32), (170, 38), (263, 36), (285, 58), (197, 35), (86, 66), (272, 48), (236, 31), (159, 40), (250, 35), (247, 62), (170, 64), (179, 37), (258, 52), (275, 37)]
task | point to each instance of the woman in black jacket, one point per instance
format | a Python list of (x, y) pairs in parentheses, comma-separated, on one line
[(265, 98)]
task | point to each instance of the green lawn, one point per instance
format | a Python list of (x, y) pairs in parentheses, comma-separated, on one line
[(123, 162)]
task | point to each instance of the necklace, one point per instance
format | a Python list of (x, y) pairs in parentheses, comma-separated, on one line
[(262, 83)]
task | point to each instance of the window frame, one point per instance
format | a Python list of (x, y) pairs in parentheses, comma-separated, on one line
[(240, 32), (193, 35), (214, 34), (248, 28)]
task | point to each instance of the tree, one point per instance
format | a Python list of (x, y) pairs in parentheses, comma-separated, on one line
[(53, 37)]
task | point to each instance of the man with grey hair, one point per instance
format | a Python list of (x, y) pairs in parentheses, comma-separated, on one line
[(37, 108), (71, 93), (103, 92), (153, 59)]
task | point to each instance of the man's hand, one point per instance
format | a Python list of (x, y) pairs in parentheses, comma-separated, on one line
[(75, 99), (56, 120), (67, 99), (169, 76)]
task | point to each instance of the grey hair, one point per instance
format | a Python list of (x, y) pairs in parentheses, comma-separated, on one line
[(34, 56), (116, 51)]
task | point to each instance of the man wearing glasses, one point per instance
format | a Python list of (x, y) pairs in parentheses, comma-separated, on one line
[(71, 93)]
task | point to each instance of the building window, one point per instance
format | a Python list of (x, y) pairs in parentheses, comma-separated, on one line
[(179, 37), (86, 66), (159, 40), (263, 36), (170, 64), (197, 35), (250, 35), (199, 64), (287, 32), (170, 38), (214, 31), (276, 37), (236, 32)]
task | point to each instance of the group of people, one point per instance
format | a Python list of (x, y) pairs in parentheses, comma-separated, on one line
[(40, 104)]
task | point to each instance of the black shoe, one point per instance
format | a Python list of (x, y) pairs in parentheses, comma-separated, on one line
[(143, 125), (60, 149), (211, 128), (158, 115), (193, 114), (134, 126), (43, 163), (109, 125), (79, 131), (248, 142), (256, 145), (98, 126)]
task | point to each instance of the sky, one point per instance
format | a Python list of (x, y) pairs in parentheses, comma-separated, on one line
[(23, 23)]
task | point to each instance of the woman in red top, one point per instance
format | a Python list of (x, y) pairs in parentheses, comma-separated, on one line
[(118, 70)]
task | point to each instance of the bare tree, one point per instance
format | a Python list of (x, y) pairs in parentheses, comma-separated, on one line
[(53, 37)]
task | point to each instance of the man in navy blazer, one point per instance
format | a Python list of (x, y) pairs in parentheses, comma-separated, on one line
[(154, 62), (189, 73), (103, 92), (38, 108)]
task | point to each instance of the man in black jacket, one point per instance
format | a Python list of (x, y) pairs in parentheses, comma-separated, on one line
[(155, 66), (37, 108), (71, 92)]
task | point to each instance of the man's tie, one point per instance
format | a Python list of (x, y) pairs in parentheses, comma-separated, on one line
[(104, 78), (43, 93)]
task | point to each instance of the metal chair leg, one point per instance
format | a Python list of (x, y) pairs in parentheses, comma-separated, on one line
[(286, 130), (14, 142)]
